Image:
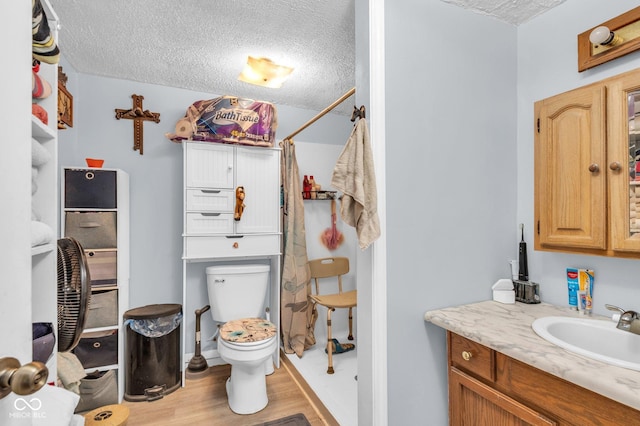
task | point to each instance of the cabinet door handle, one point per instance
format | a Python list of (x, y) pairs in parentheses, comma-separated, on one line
[(466, 355), (594, 168), (210, 191), (615, 166)]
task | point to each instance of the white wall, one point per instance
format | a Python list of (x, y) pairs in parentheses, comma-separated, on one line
[(451, 185), (548, 65), (15, 190)]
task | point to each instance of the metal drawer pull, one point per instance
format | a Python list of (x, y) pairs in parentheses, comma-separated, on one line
[(210, 191), (466, 355), (210, 214)]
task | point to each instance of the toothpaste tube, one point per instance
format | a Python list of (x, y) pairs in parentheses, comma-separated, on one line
[(582, 301), (585, 281), (573, 286)]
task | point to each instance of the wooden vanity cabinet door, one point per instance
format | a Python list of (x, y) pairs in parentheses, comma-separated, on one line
[(472, 402), (570, 170), (568, 403)]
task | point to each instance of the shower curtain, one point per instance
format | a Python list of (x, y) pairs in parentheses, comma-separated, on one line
[(297, 317)]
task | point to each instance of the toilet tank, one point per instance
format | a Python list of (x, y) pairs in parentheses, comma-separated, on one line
[(237, 291)]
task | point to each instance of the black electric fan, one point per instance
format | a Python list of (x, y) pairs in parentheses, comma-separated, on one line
[(74, 293)]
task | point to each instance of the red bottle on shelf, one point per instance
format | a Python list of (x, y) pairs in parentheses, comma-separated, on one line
[(306, 188)]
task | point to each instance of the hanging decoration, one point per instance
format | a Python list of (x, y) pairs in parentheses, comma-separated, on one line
[(65, 102), (138, 115)]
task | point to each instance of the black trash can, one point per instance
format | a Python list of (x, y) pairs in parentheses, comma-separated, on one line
[(152, 351)]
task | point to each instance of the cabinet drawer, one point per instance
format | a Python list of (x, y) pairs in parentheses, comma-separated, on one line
[(103, 309), (94, 189), (103, 266), (93, 230), (98, 348), (231, 246), (209, 223), (472, 357), (210, 200)]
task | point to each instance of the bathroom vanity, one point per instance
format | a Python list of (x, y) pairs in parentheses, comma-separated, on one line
[(502, 372)]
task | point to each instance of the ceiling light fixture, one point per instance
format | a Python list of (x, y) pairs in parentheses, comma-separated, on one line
[(264, 72)]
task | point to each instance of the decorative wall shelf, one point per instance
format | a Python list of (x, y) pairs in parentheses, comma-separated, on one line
[(320, 195)]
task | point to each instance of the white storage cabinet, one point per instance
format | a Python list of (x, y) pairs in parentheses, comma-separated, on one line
[(44, 210), (212, 174), (95, 211)]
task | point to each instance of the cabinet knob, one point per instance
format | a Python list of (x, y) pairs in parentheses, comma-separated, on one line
[(236, 245), (615, 166), (594, 168), (466, 355)]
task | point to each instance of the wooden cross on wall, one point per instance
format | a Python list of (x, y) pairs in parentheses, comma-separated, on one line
[(138, 115)]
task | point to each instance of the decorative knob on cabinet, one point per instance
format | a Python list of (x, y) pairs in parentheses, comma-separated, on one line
[(594, 168), (615, 166), (466, 355), (236, 245), (23, 380)]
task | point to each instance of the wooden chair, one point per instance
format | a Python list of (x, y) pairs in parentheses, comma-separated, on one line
[(325, 269)]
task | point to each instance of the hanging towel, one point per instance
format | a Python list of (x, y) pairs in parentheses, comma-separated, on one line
[(70, 371), (354, 176), (296, 313)]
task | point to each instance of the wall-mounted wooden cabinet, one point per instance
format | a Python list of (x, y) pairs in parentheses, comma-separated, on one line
[(585, 169)]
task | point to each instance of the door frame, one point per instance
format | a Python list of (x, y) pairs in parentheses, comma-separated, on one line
[(372, 263)]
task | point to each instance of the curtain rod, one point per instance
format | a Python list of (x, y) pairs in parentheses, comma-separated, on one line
[(323, 112)]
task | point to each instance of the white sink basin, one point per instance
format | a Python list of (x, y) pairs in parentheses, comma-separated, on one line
[(595, 339)]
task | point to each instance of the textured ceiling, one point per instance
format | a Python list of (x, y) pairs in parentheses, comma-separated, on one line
[(514, 12), (202, 45)]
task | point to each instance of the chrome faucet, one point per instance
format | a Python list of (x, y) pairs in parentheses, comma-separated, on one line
[(629, 320)]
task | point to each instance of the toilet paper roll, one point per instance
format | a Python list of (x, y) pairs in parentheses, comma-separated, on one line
[(184, 128)]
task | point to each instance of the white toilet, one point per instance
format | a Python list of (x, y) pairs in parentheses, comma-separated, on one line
[(247, 341)]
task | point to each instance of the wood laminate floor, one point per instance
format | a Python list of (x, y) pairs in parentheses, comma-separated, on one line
[(204, 402)]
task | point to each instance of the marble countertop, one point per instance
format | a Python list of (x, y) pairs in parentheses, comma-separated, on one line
[(507, 328)]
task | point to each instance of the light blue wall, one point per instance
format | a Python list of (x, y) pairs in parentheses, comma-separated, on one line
[(156, 176), (452, 200), (548, 65), (451, 184)]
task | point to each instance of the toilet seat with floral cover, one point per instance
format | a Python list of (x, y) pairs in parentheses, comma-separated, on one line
[(247, 330)]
